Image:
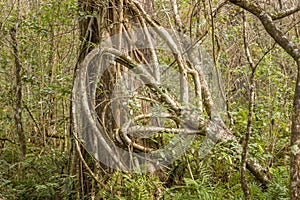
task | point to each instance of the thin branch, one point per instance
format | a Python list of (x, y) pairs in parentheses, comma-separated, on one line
[(221, 5), (33, 119), (273, 46), (285, 13), (212, 31), (87, 167), (197, 42), (138, 131), (184, 92), (176, 16), (155, 63), (123, 134), (244, 184), (6, 139)]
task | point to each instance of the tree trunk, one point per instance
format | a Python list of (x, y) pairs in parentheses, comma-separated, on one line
[(98, 21), (295, 142), (18, 92)]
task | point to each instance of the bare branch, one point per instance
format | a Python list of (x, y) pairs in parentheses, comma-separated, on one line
[(94, 176), (285, 13), (137, 131), (177, 19)]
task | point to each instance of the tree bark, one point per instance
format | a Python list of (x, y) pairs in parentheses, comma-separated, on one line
[(98, 21), (18, 93), (89, 34), (295, 142)]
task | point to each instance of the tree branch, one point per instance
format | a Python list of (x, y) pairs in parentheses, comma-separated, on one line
[(270, 27), (285, 13)]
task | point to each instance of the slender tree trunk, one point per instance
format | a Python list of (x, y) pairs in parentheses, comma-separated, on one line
[(295, 142), (246, 190), (18, 93)]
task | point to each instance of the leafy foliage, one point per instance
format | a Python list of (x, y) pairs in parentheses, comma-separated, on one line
[(48, 46)]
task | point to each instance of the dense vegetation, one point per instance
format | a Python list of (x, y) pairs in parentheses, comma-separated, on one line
[(42, 45)]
